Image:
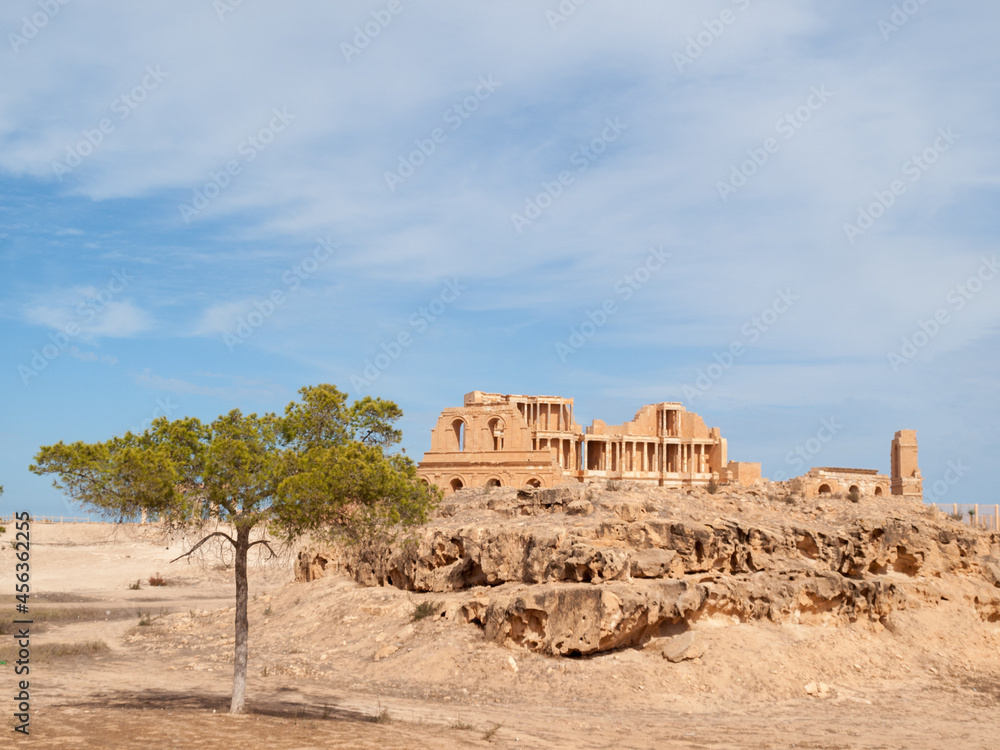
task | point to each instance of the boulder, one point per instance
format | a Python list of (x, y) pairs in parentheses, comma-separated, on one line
[(682, 647)]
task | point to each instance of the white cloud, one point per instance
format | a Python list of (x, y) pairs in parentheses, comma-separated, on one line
[(91, 312)]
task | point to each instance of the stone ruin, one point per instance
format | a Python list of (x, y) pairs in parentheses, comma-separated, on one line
[(503, 440), (497, 440)]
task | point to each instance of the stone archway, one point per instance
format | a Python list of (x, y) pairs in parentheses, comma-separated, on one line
[(495, 428), (457, 434)]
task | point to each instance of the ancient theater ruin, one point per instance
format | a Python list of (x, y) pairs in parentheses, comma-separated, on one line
[(502, 440), (507, 440)]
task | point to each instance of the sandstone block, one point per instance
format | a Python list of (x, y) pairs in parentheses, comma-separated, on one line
[(683, 647)]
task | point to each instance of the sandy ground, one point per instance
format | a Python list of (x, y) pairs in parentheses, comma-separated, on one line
[(336, 665)]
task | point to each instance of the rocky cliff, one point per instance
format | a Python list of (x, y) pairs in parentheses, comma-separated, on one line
[(578, 570)]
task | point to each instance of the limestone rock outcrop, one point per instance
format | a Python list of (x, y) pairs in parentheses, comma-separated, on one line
[(578, 570)]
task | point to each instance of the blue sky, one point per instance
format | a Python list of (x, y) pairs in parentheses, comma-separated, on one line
[(782, 214)]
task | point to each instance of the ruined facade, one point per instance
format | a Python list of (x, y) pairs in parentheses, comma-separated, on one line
[(503, 440), (511, 440), (904, 478), (827, 480)]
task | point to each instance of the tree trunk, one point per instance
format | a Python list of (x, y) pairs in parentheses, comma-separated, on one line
[(242, 625)]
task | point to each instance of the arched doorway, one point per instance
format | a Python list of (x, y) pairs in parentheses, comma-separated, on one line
[(493, 482), (457, 484), (534, 482), (878, 492), (824, 489)]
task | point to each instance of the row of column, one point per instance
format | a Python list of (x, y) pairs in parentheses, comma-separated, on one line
[(646, 456), (546, 416), (668, 419)]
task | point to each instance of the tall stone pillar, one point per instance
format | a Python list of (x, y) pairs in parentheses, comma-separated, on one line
[(905, 474)]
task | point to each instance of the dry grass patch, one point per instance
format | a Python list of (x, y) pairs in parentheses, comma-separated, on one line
[(41, 652), (43, 617)]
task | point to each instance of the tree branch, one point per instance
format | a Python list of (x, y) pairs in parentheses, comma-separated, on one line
[(195, 547), (266, 544)]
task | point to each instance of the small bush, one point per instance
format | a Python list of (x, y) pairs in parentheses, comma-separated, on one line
[(854, 495), (425, 609), (613, 485), (135, 586), (957, 516), (157, 580), (267, 610), (382, 715), (488, 734), (712, 486), (145, 618), (3, 529)]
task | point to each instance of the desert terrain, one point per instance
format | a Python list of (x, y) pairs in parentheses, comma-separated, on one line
[(733, 620)]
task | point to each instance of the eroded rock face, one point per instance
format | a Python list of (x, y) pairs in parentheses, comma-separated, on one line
[(574, 619), (574, 570)]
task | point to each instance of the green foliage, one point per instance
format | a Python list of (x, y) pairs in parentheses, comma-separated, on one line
[(425, 609), (323, 466), (352, 491)]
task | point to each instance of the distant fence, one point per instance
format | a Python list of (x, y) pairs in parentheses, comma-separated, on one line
[(981, 516)]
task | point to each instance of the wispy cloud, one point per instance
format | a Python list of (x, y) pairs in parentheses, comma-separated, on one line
[(94, 312), (238, 389)]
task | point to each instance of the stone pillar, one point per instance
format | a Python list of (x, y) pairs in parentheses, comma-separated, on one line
[(906, 479)]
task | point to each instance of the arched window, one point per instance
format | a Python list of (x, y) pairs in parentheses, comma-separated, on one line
[(493, 482), (496, 433), (824, 489), (458, 435), (878, 491), (534, 482), (456, 484)]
